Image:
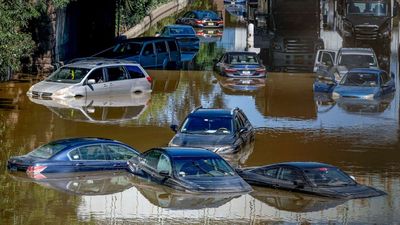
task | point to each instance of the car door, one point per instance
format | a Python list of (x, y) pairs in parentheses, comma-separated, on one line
[(221, 64), (148, 56), (119, 155), (248, 134), (96, 83), (387, 84), (162, 54), (118, 81), (288, 178), (91, 158), (153, 163), (175, 54), (265, 176), (325, 58)]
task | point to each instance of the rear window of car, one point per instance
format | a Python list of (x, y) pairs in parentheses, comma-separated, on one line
[(135, 72), (46, 151), (208, 14)]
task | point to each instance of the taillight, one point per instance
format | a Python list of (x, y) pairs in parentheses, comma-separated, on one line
[(260, 70), (230, 70), (198, 21), (200, 33), (220, 22), (35, 169), (149, 79)]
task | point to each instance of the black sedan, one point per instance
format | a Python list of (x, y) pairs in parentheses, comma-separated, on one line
[(188, 169), (201, 18), (308, 177), (240, 65)]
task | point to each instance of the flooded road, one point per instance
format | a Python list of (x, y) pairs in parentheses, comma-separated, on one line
[(293, 124)]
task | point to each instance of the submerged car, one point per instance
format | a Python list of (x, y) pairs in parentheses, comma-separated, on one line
[(75, 155), (188, 169), (185, 36), (308, 177), (201, 18), (324, 82), (240, 64), (224, 131), (364, 84), (93, 76)]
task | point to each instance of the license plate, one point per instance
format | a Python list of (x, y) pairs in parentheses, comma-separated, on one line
[(210, 24), (210, 32), (246, 81), (246, 72)]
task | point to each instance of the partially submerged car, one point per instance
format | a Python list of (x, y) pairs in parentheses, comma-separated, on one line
[(185, 36), (188, 169), (240, 64), (75, 155), (224, 131), (93, 76), (324, 82), (201, 18), (149, 52), (308, 177), (364, 84)]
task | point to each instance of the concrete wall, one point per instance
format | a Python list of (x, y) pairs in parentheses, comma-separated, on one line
[(156, 15)]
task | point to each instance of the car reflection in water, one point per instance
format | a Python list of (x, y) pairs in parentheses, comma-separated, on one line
[(209, 35), (99, 109), (88, 183), (166, 197), (294, 202), (244, 86)]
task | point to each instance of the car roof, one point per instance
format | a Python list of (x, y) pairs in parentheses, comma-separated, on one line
[(73, 142), (92, 62), (358, 51), (365, 70), (240, 53), (204, 11), (302, 165), (207, 112), (187, 152), (145, 39), (179, 26)]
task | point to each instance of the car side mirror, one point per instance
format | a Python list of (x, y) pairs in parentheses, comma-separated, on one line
[(242, 130), (91, 81), (164, 173), (298, 183), (158, 34), (174, 128)]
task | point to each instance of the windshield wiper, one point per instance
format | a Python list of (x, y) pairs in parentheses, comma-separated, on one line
[(202, 169)]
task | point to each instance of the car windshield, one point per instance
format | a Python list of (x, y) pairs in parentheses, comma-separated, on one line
[(181, 30), (328, 176), (362, 61), (68, 75), (46, 151), (207, 125), (360, 79), (243, 59), (208, 15), (367, 8), (192, 167)]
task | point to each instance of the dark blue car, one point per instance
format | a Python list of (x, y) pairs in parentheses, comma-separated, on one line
[(75, 155), (364, 84), (185, 36), (188, 169), (240, 65)]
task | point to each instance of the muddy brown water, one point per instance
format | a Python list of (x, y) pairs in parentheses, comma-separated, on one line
[(292, 124)]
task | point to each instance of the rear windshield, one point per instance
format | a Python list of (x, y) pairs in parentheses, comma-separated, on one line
[(208, 15), (68, 75), (202, 167), (210, 125), (46, 151), (328, 176), (360, 79), (243, 59), (181, 30)]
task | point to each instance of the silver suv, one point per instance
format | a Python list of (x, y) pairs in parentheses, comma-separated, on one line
[(93, 76)]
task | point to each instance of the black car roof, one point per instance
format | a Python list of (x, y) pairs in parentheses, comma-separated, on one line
[(241, 53), (187, 152), (202, 112), (145, 39), (302, 165), (82, 141)]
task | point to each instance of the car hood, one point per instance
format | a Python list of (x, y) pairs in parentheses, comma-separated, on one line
[(352, 191), (355, 91), (50, 87), (233, 184), (202, 140), (367, 20)]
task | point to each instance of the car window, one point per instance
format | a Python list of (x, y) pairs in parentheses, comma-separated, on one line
[(148, 49), (172, 46), (161, 47), (97, 75), (135, 72), (239, 123), (91, 152), (288, 174), (116, 73), (210, 125), (164, 164), (46, 151), (151, 159), (385, 77), (268, 172), (118, 152), (243, 118), (328, 176)]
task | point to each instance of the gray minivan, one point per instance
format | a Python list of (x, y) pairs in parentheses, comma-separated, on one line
[(149, 52)]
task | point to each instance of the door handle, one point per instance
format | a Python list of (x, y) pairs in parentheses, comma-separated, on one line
[(79, 164)]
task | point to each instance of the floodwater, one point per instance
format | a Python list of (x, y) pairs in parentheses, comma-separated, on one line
[(292, 124)]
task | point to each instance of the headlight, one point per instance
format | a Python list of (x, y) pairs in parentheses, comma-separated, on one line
[(335, 95), (370, 96), (62, 93), (224, 149), (30, 90)]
